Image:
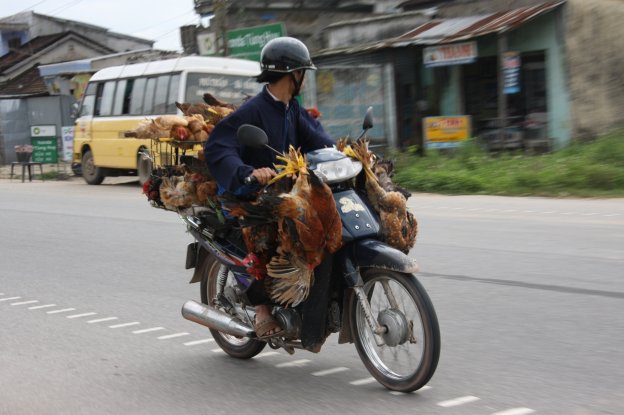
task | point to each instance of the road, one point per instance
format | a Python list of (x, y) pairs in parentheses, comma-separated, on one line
[(529, 293)]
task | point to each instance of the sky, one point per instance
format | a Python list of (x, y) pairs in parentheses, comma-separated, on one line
[(156, 20)]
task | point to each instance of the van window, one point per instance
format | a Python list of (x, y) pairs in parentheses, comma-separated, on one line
[(160, 95), (88, 102), (136, 100), (229, 88), (148, 104), (174, 85), (104, 101), (119, 97)]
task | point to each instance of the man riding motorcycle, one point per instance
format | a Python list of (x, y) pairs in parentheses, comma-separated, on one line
[(284, 61)]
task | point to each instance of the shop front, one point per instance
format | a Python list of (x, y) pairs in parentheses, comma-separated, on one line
[(505, 71)]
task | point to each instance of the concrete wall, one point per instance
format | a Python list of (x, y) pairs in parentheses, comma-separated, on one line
[(595, 55)]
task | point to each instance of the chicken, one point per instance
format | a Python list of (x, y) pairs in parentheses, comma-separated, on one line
[(215, 102), (398, 226), (322, 201), (261, 243), (177, 193), (384, 170)]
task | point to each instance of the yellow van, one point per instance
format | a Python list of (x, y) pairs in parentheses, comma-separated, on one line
[(118, 98)]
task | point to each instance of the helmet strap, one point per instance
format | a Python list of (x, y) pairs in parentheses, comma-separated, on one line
[(297, 83)]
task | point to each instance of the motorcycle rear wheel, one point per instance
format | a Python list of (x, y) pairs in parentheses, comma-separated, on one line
[(409, 357), (239, 347)]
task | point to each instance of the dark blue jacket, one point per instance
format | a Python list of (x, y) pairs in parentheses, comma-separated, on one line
[(230, 162)]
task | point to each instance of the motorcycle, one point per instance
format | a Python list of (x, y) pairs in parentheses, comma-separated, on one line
[(375, 300)]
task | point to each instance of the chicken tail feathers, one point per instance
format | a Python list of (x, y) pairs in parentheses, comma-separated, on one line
[(288, 283)]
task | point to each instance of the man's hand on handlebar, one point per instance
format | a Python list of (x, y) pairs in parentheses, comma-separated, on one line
[(263, 175)]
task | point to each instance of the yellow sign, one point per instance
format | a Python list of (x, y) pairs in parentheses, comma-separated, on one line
[(444, 132)]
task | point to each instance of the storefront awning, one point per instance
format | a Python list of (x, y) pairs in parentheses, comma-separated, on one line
[(464, 28)]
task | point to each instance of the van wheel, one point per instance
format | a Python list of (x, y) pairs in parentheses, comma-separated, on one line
[(90, 172), (144, 166)]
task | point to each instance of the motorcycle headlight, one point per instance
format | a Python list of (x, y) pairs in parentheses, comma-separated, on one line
[(338, 170)]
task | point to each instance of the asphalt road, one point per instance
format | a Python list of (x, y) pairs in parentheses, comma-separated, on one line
[(529, 293)]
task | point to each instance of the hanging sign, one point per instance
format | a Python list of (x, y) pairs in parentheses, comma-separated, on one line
[(247, 43), (453, 54), (511, 72)]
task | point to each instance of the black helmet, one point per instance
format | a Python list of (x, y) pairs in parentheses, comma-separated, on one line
[(285, 55)]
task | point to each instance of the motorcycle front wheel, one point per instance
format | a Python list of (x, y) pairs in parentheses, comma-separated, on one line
[(239, 347), (405, 357)]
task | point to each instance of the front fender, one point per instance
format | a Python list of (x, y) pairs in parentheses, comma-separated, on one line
[(371, 253)]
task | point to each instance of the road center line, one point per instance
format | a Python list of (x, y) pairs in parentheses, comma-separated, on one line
[(99, 320), (330, 371), (64, 310), (172, 336), (26, 302), (10, 298), (82, 315), (194, 342), (515, 411), (41, 306), (397, 393), (148, 330), (298, 363), (116, 326), (265, 354), (457, 401), (362, 381)]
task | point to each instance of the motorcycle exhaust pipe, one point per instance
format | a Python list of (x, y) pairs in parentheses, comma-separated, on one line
[(215, 319)]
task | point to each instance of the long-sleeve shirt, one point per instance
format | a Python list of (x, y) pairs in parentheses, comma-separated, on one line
[(231, 162)]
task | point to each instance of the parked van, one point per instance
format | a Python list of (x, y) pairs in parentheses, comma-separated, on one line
[(118, 98)]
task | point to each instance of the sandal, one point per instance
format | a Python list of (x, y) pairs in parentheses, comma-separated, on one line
[(265, 326)]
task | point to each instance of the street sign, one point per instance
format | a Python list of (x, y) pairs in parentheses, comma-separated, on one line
[(44, 142), (452, 54), (247, 43)]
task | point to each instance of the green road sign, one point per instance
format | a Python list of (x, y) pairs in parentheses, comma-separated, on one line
[(247, 43)]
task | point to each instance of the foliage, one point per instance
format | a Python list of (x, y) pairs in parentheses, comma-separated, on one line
[(582, 169)]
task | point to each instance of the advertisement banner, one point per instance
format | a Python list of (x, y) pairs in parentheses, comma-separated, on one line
[(453, 54), (511, 72), (248, 43), (446, 132), (67, 133)]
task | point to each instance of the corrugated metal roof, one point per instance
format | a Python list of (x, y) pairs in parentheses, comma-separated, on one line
[(463, 28), (454, 29)]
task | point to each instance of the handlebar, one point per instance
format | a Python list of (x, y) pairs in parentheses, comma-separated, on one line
[(250, 180)]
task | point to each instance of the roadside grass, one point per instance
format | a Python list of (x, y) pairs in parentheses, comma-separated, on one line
[(592, 169)]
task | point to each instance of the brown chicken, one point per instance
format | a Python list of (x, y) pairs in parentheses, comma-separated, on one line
[(176, 193), (322, 201), (384, 170), (398, 226)]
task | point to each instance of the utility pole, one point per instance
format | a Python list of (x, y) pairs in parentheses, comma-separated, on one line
[(220, 19)]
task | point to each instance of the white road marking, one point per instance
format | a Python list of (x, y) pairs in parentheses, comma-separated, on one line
[(116, 326), (458, 401), (397, 393), (64, 310), (515, 411), (363, 381), (172, 336), (1, 293), (82, 315), (10, 298), (330, 371), (41, 306), (195, 342), (148, 330), (294, 363), (99, 320), (26, 302), (265, 354), (217, 351)]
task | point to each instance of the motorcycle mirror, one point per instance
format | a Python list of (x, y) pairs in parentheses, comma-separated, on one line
[(252, 136), (368, 119), (368, 122)]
